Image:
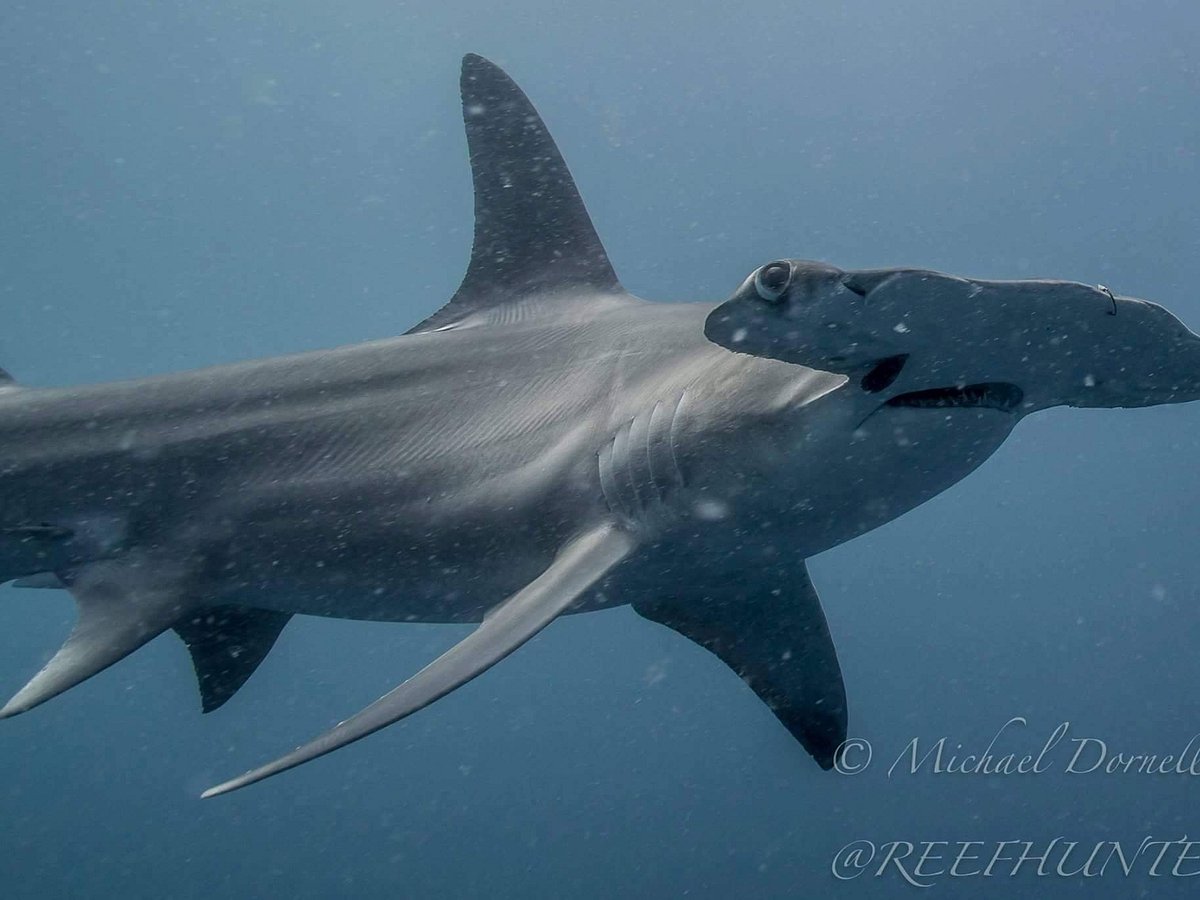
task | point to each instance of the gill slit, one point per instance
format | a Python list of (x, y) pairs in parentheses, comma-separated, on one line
[(638, 466)]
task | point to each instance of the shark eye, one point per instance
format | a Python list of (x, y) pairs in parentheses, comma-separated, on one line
[(772, 280)]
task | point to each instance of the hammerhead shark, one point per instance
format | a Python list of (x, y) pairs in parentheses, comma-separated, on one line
[(547, 443)]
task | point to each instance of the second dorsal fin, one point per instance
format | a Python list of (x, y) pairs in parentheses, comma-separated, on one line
[(532, 232)]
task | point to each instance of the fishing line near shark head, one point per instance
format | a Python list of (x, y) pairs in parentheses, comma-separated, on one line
[(547, 443)]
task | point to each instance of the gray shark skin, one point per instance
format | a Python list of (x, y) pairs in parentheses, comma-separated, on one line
[(545, 444)]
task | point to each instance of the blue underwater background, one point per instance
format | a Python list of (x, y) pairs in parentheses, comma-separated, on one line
[(189, 183)]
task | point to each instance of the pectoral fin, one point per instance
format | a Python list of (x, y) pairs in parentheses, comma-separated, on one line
[(520, 617), (774, 635)]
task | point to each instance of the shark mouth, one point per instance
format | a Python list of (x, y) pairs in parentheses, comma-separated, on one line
[(999, 395)]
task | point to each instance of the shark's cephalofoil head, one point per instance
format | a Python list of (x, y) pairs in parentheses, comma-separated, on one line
[(935, 340)]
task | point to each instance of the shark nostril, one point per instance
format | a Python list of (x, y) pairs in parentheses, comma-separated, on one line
[(885, 372), (850, 283)]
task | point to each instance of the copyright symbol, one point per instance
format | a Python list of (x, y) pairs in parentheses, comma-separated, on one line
[(852, 757), (852, 860)]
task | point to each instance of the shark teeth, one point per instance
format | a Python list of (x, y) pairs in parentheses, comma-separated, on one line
[(999, 395)]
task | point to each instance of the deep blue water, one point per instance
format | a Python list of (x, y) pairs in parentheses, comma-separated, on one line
[(193, 183)]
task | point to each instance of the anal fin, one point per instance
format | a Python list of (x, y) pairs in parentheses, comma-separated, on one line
[(578, 565), (227, 643), (122, 604)]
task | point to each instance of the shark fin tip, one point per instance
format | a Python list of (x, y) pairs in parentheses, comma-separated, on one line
[(31, 695), (11, 709), (233, 784)]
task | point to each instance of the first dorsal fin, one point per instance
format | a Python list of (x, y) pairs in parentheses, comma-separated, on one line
[(532, 232)]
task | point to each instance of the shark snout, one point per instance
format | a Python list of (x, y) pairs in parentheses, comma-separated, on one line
[(1153, 359), (1178, 379)]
